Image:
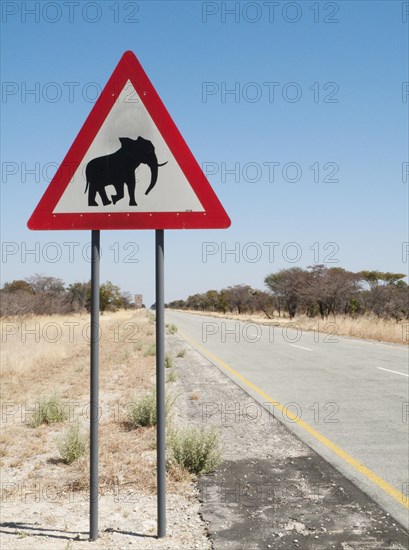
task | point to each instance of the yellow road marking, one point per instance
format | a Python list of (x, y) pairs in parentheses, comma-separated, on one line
[(358, 466)]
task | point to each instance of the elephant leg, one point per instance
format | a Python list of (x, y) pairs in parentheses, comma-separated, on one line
[(103, 195), (91, 195), (130, 183), (119, 193)]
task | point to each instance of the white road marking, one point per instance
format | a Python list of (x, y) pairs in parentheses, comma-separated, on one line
[(301, 347), (394, 371)]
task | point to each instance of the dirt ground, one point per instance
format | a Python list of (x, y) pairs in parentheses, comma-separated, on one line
[(271, 490)]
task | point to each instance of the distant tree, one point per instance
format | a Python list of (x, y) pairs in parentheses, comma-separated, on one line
[(286, 287), (264, 302), (399, 301), (109, 297), (18, 286), (239, 298), (49, 293), (17, 299), (211, 299), (176, 304), (375, 278), (42, 284), (392, 278), (222, 304), (127, 300), (332, 289), (196, 302), (79, 296)]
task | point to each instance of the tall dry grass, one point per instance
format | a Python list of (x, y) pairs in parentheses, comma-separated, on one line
[(54, 358)]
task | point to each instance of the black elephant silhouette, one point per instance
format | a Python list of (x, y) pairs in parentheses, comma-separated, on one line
[(118, 169)]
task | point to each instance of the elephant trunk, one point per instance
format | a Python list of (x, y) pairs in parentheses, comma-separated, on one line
[(153, 165)]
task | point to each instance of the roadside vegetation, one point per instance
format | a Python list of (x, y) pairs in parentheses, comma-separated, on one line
[(45, 433), (168, 361), (366, 304), (142, 411), (72, 444), (44, 295), (195, 449), (172, 329), (49, 410)]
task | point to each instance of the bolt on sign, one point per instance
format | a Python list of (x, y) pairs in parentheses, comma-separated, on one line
[(128, 168)]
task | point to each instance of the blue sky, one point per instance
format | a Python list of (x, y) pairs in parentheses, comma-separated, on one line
[(335, 131)]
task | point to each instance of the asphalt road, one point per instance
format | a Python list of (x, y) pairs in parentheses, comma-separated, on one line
[(348, 399)]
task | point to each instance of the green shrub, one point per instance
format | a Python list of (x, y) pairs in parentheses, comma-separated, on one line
[(49, 410), (196, 450), (142, 412), (138, 346), (151, 317), (171, 376), (72, 444), (181, 353), (168, 361), (125, 355), (150, 350), (172, 328)]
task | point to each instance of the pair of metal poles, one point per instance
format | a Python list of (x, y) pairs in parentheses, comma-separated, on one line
[(160, 383)]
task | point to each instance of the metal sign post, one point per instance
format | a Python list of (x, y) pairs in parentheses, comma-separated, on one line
[(160, 382), (94, 383)]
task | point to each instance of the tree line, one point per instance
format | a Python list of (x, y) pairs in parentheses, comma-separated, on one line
[(315, 291), (43, 295)]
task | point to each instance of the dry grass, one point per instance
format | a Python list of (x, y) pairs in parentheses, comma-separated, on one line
[(366, 327), (33, 367)]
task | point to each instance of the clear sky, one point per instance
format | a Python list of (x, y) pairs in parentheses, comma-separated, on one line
[(297, 111)]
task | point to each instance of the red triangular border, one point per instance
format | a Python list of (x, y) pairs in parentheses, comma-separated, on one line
[(214, 216)]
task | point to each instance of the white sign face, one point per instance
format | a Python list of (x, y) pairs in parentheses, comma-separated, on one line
[(120, 172)]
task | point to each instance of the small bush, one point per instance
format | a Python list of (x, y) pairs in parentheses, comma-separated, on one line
[(72, 444), (125, 355), (194, 449), (142, 412), (172, 328), (168, 361), (171, 376), (138, 346), (181, 353), (49, 410), (150, 350)]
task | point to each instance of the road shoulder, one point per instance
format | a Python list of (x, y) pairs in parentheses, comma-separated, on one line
[(272, 490)]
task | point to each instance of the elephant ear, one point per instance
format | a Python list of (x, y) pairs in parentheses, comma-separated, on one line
[(125, 141)]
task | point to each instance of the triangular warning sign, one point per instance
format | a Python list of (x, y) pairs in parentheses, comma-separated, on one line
[(129, 167)]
